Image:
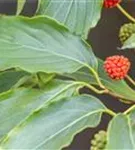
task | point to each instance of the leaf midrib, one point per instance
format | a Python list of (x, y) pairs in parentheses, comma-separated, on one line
[(53, 53), (130, 131)]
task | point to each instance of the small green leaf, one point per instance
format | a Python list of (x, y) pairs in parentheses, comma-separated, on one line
[(41, 44), (9, 78), (44, 78), (20, 6), (78, 15), (120, 134), (16, 105), (130, 43), (54, 127), (117, 87)]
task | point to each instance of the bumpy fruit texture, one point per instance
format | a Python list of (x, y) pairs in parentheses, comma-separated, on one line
[(111, 3), (117, 67), (99, 141), (126, 31)]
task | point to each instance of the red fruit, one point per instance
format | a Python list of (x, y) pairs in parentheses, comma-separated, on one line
[(111, 3), (117, 67)]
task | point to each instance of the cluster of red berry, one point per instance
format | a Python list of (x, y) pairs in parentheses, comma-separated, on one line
[(117, 67), (111, 3)]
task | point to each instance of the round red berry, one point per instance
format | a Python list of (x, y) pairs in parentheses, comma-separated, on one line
[(117, 67), (111, 3)]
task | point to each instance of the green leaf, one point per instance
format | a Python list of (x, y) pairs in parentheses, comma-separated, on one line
[(78, 15), (120, 134), (44, 78), (41, 44), (117, 87), (20, 6), (9, 78), (53, 127), (17, 104), (130, 43), (132, 123)]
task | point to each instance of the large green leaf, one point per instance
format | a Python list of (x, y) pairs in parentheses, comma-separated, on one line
[(129, 43), (117, 87), (16, 105), (120, 134), (20, 6), (78, 15), (54, 126), (41, 44), (9, 78)]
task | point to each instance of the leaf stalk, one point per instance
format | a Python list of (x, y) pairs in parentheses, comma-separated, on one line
[(129, 110), (110, 112), (125, 13), (130, 80)]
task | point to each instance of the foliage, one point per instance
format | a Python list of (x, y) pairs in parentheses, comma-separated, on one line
[(44, 62)]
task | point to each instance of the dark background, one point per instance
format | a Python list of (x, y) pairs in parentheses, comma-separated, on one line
[(104, 40)]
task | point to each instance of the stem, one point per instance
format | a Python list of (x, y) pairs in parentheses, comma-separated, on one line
[(110, 112), (115, 95), (96, 90), (105, 91), (96, 76), (26, 79), (125, 13), (98, 80), (93, 88), (21, 81), (129, 110), (130, 80)]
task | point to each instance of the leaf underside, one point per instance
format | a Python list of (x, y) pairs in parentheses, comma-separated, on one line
[(78, 15), (53, 126), (41, 44)]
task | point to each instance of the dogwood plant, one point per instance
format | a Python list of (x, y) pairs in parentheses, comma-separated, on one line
[(45, 61)]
